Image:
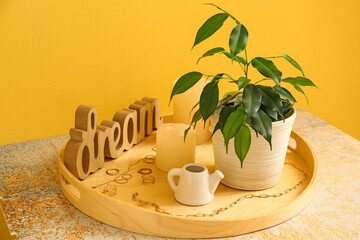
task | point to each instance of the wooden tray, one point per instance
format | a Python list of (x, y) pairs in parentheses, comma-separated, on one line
[(246, 216)]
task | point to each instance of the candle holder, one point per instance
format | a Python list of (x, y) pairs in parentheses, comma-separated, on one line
[(171, 149)]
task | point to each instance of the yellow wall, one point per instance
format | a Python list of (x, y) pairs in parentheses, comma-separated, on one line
[(55, 55)]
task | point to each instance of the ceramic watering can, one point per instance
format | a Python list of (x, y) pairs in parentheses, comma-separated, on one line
[(195, 187)]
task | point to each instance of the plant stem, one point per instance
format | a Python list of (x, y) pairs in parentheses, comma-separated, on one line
[(242, 68), (237, 21), (227, 100), (262, 80), (273, 57), (230, 78), (247, 65)]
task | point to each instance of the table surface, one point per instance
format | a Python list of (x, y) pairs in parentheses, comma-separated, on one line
[(35, 207)]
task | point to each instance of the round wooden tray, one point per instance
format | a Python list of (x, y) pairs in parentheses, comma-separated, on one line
[(246, 216)]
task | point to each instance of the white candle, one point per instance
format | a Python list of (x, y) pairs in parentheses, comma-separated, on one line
[(171, 150), (183, 103)]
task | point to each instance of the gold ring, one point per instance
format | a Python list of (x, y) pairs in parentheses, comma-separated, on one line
[(112, 171), (149, 158), (145, 171), (148, 179)]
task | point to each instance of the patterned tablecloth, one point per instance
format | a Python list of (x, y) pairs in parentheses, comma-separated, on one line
[(35, 207)]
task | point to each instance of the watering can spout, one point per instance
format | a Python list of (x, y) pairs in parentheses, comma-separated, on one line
[(214, 180)]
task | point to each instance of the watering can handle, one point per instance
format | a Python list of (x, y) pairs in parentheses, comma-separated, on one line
[(172, 173)]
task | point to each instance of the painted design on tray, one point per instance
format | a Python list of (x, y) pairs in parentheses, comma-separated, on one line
[(89, 143)]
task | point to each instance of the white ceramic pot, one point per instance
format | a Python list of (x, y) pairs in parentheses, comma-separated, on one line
[(262, 167)]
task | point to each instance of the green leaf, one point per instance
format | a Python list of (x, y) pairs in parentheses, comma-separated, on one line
[(211, 52), (251, 99), (196, 117), (271, 113), (229, 55), (242, 142), (185, 82), (287, 106), (301, 81), (267, 68), (293, 62), (284, 93), (237, 21), (262, 124), (242, 82), (302, 91), (210, 27), (271, 99), (234, 58), (238, 39), (217, 77), (224, 114), (186, 132), (192, 109), (232, 125), (228, 94), (257, 134), (240, 60), (209, 99)]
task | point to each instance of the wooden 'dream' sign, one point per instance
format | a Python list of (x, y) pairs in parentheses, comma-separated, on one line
[(89, 143)]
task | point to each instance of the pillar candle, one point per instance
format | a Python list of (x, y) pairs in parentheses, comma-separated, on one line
[(183, 103), (171, 150)]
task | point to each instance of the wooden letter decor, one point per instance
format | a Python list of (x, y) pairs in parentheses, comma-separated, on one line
[(90, 144)]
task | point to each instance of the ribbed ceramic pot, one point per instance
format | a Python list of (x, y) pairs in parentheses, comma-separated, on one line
[(262, 167)]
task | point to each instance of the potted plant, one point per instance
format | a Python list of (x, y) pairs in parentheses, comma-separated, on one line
[(247, 160)]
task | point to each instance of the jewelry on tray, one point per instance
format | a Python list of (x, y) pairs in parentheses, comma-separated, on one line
[(123, 178), (135, 197), (112, 171), (145, 171), (149, 158), (148, 179), (110, 190)]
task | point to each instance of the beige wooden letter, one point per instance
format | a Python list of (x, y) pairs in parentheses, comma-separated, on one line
[(99, 148), (112, 135), (127, 118), (155, 111), (140, 116), (79, 151), (147, 120)]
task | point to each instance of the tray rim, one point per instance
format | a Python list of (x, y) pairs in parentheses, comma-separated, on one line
[(308, 192)]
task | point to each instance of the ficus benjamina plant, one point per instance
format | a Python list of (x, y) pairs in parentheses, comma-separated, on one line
[(250, 105)]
